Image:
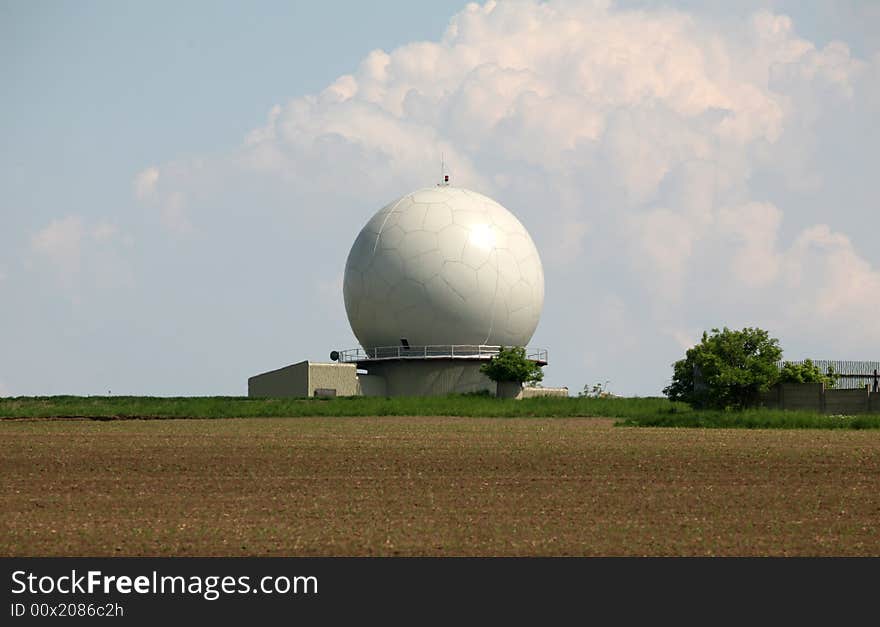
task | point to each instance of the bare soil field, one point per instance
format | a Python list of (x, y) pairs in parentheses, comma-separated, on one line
[(433, 486)]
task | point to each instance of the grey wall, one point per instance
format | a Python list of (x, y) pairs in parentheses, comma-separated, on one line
[(805, 396), (290, 381), (846, 401), (770, 398), (813, 397)]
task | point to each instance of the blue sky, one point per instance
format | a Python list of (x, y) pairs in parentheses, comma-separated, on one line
[(181, 181), (95, 90)]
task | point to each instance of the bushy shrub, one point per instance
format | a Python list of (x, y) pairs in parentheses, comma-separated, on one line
[(727, 369), (597, 390), (806, 372), (511, 364)]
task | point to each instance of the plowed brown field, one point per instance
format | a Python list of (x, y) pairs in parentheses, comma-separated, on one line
[(433, 486)]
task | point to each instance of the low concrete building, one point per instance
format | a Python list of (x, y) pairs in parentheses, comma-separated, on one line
[(510, 389), (305, 379), (537, 392), (410, 371)]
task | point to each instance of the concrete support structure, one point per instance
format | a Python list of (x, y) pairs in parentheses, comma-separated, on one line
[(425, 377), (372, 385), (437, 377), (509, 389), (305, 379)]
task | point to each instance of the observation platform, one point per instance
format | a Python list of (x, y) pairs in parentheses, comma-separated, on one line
[(478, 352)]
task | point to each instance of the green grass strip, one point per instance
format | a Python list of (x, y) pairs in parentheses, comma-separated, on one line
[(636, 412)]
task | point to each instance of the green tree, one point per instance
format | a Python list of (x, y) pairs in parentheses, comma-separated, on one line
[(511, 364), (727, 369)]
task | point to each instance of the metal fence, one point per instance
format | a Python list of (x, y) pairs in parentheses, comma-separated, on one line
[(851, 375)]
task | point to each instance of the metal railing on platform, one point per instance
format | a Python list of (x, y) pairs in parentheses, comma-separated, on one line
[(457, 351)]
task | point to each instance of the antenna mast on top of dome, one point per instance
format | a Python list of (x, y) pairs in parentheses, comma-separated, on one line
[(444, 177)]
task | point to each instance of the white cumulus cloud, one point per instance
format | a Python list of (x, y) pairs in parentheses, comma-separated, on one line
[(73, 250), (145, 182), (170, 205), (60, 242), (651, 152)]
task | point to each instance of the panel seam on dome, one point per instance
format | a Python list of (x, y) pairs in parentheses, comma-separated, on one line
[(494, 300), (385, 221)]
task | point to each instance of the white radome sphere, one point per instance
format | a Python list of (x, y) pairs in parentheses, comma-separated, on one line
[(443, 265)]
